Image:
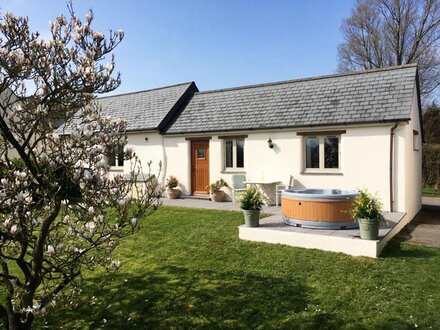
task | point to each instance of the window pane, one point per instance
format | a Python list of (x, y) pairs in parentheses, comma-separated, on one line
[(240, 153), (331, 152), (120, 156), (312, 152), (201, 153), (111, 160), (228, 157), (415, 140)]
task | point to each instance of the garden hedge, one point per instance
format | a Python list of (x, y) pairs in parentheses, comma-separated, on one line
[(431, 165)]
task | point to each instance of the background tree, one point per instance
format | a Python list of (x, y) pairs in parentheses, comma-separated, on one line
[(431, 124), (431, 149), (381, 33), (46, 238)]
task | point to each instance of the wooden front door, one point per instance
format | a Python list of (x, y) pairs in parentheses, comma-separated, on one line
[(199, 166)]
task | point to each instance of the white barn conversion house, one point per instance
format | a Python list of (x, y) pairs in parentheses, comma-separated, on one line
[(348, 131)]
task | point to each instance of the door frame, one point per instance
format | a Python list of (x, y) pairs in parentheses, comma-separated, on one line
[(192, 165)]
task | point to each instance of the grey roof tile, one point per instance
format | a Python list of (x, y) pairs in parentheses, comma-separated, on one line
[(375, 95), (142, 110)]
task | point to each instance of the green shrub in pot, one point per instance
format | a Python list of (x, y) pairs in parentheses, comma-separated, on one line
[(172, 185), (215, 190), (367, 211), (251, 201)]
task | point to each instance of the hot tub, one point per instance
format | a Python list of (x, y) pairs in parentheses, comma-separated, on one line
[(318, 208)]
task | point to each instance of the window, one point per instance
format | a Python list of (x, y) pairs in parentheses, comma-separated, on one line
[(234, 153), (322, 153), (118, 158), (416, 146), (200, 153)]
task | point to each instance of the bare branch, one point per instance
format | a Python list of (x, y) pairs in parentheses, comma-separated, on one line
[(382, 33)]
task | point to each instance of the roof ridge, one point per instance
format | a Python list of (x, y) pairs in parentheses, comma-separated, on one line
[(336, 75), (146, 90)]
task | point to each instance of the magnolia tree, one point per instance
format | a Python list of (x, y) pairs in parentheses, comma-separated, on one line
[(47, 237)]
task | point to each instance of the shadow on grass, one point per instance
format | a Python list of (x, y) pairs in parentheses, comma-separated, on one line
[(177, 297), (398, 249)]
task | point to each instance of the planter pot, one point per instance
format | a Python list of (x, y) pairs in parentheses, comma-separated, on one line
[(252, 218), (218, 196), (369, 229), (173, 193)]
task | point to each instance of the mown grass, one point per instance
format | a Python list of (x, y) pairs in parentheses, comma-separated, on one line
[(428, 191), (187, 268)]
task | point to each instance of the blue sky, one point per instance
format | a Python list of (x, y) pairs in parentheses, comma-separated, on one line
[(217, 44)]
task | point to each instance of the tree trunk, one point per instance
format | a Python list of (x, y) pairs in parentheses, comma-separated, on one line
[(13, 322), (5, 321), (25, 326)]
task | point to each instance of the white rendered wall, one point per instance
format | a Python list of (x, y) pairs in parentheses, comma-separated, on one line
[(150, 150), (277, 164), (178, 161), (364, 160), (150, 147), (408, 165), (147, 150), (412, 177)]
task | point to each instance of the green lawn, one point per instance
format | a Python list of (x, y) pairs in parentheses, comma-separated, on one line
[(430, 191), (188, 269)]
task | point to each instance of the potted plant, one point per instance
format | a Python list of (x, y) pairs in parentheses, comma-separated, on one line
[(251, 201), (215, 190), (172, 191), (366, 211)]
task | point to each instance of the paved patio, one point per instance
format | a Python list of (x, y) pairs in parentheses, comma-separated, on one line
[(188, 201), (273, 230), (425, 228)]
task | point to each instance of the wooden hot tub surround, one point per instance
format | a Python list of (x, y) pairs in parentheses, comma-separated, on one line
[(318, 208)]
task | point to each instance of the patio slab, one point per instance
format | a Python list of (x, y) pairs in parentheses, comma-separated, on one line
[(197, 203), (425, 228), (273, 230)]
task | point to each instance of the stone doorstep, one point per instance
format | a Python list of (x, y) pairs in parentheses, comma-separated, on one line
[(273, 230), (201, 197)]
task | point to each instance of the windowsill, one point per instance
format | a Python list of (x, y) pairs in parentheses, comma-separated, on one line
[(117, 168), (321, 172), (233, 171)]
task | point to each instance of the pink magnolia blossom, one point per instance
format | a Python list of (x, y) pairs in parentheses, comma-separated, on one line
[(52, 78), (50, 250), (14, 229)]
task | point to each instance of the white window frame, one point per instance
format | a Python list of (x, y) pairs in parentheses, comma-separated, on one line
[(234, 154), (321, 168), (116, 166)]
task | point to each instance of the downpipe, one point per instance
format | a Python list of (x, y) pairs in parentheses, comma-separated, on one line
[(392, 167), (164, 163)]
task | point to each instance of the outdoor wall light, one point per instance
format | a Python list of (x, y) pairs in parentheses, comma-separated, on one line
[(270, 143)]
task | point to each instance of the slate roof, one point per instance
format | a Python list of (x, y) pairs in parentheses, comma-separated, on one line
[(358, 97), (146, 109)]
